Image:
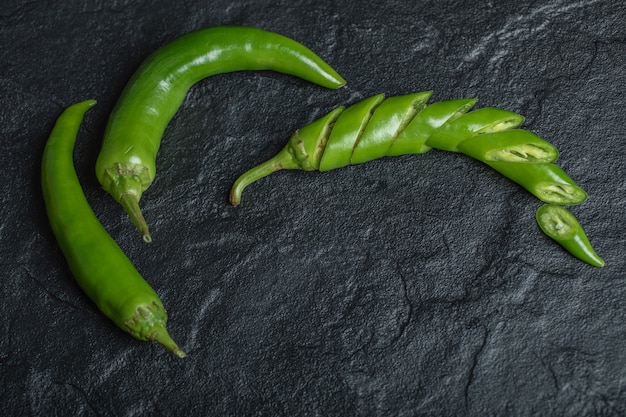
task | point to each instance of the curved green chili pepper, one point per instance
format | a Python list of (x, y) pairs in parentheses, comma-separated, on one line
[(126, 164), (376, 127), (400, 125), (100, 267), (562, 226)]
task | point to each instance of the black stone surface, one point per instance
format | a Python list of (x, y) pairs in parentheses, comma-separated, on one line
[(408, 286)]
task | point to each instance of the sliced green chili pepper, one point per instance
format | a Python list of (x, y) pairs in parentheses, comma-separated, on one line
[(126, 165), (377, 127), (100, 267), (562, 226), (404, 124)]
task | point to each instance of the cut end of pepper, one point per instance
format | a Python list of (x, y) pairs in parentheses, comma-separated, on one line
[(560, 193)]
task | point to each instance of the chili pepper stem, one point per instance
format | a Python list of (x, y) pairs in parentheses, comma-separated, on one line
[(131, 205), (282, 160)]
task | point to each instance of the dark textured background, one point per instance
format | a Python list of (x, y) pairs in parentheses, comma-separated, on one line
[(409, 286)]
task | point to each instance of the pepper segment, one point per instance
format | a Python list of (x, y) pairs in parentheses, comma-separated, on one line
[(303, 152), (390, 118), (561, 225), (412, 140), (548, 182), (126, 165), (514, 145), (486, 120)]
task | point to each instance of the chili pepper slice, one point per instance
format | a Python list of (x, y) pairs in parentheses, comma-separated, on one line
[(514, 145), (485, 120), (561, 225), (412, 140), (390, 118), (546, 181)]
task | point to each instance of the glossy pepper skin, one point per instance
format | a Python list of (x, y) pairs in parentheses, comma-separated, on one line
[(561, 225), (98, 264), (126, 165), (377, 127)]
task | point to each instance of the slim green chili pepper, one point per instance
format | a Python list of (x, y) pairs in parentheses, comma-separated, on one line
[(126, 165), (100, 267), (562, 226), (376, 127), (400, 125)]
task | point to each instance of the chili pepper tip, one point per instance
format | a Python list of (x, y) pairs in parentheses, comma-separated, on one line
[(131, 204), (163, 338)]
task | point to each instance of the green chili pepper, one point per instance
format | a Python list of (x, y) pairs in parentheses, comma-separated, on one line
[(126, 165), (400, 125), (562, 226), (100, 267)]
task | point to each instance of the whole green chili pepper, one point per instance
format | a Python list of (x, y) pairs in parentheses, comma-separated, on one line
[(376, 127), (126, 164), (100, 267), (562, 226)]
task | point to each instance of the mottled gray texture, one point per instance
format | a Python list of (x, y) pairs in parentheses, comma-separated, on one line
[(408, 286)]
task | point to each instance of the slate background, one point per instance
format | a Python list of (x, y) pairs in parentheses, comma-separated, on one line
[(409, 286)]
